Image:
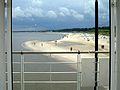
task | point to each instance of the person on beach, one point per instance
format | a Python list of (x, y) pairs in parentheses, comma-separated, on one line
[(88, 39), (34, 43), (56, 42), (102, 46), (41, 44), (71, 48)]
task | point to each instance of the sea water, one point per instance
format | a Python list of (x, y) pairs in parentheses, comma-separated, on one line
[(18, 38)]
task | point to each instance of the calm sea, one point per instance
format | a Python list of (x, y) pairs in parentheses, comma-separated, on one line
[(21, 37)]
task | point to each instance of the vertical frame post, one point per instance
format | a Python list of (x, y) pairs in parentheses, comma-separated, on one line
[(2, 46), (113, 84), (9, 45), (117, 15)]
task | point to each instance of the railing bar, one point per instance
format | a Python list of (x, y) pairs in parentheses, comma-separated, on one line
[(45, 82), (22, 72), (51, 72), (16, 82), (50, 62), (98, 72), (31, 52), (79, 72), (50, 82), (16, 62), (21, 85), (45, 72), (13, 72)]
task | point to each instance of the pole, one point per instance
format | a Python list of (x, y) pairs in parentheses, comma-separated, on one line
[(96, 45), (9, 46), (2, 47)]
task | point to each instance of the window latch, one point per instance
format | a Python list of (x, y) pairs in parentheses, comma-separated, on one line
[(113, 4), (5, 4)]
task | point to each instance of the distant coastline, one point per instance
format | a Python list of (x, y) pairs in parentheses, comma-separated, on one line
[(102, 30)]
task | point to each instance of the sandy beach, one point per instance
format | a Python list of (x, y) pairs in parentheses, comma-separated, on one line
[(78, 41), (70, 42)]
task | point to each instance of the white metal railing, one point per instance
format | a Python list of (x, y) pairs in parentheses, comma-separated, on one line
[(78, 72)]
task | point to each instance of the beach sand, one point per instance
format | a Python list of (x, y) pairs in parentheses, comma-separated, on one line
[(78, 41), (69, 43)]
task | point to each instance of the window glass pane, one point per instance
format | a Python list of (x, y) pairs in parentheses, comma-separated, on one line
[(59, 26)]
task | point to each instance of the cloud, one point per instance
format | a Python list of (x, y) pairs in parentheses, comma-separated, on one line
[(89, 7), (103, 6), (32, 9), (64, 11), (35, 12), (77, 15), (78, 10), (18, 12), (51, 14), (61, 14), (28, 12), (38, 12), (36, 3)]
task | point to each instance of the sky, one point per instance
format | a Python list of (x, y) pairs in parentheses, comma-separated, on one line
[(58, 14)]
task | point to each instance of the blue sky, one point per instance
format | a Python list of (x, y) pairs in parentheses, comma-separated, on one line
[(55, 14)]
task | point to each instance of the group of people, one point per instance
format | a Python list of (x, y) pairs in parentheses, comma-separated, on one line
[(34, 43)]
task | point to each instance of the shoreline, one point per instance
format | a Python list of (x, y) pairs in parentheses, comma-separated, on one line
[(70, 42)]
